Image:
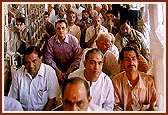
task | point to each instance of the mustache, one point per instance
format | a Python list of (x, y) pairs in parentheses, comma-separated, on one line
[(132, 65)]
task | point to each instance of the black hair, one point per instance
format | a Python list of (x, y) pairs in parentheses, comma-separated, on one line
[(123, 21), (136, 42), (46, 13), (61, 21), (30, 50), (93, 50), (85, 11), (75, 80), (20, 20), (110, 12), (127, 48)]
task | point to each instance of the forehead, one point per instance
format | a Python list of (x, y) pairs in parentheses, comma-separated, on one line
[(75, 91), (60, 24), (95, 56), (129, 54), (103, 39), (31, 56), (124, 25)]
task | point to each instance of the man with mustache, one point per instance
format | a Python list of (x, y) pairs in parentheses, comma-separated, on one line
[(126, 34), (101, 87), (134, 90)]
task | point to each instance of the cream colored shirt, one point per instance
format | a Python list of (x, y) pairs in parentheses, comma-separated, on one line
[(139, 98), (75, 31)]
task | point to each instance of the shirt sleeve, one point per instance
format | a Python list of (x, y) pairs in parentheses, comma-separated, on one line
[(49, 54), (77, 56), (109, 102)]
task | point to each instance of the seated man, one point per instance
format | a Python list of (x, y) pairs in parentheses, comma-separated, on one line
[(101, 87), (143, 65), (63, 51), (126, 33), (93, 31), (76, 96), (35, 84), (134, 90)]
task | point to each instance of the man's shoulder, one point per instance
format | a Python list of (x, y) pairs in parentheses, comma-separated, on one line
[(146, 76)]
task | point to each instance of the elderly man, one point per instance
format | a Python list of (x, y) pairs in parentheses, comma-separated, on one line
[(126, 34), (76, 96), (110, 61), (63, 51), (134, 90), (93, 31), (35, 84), (101, 87)]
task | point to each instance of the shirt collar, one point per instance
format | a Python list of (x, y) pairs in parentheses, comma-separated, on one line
[(40, 72), (66, 40), (140, 83)]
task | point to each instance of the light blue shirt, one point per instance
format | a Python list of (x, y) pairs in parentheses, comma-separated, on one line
[(34, 94)]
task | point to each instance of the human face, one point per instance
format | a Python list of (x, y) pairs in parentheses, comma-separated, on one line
[(61, 30), (32, 63), (125, 29), (71, 18), (110, 17), (61, 12), (93, 66), (75, 98), (130, 61), (96, 21), (85, 15), (103, 44)]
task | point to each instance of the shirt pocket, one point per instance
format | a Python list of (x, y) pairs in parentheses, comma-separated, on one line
[(42, 97)]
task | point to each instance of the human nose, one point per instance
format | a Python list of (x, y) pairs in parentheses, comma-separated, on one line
[(74, 108)]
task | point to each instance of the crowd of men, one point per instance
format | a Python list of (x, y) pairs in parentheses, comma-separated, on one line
[(94, 60)]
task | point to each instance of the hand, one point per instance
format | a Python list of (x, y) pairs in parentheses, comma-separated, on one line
[(61, 76)]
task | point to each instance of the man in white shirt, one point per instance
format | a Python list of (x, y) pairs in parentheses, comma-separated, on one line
[(101, 87), (76, 96), (72, 28), (35, 85), (93, 31)]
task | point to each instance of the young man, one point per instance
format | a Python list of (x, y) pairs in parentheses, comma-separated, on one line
[(134, 90), (35, 84), (63, 51)]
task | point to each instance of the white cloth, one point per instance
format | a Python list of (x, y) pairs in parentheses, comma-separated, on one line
[(51, 17), (91, 31), (79, 12), (75, 30), (110, 63), (33, 94), (115, 51), (94, 107), (102, 91), (11, 104)]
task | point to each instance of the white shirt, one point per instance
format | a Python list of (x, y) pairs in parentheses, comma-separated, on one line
[(94, 107), (115, 51), (33, 94), (110, 63), (11, 104), (91, 31), (52, 16), (75, 30), (102, 91), (79, 12)]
